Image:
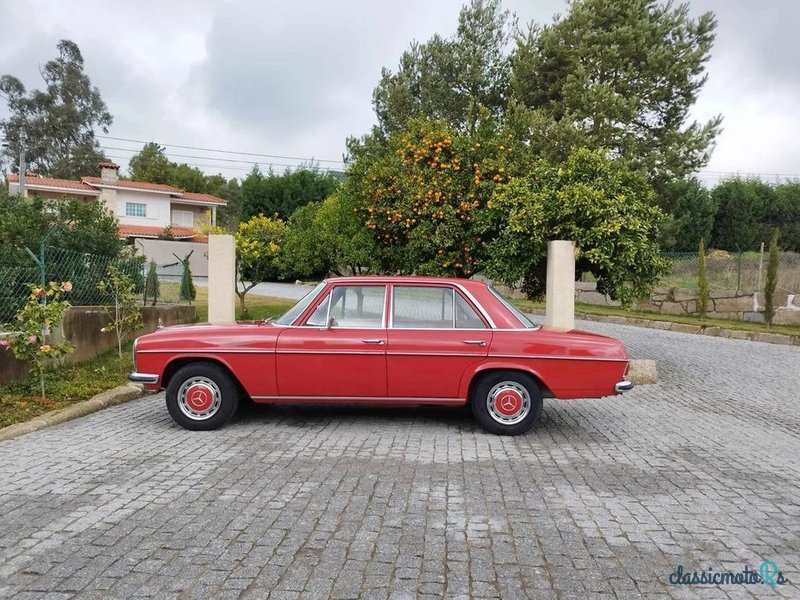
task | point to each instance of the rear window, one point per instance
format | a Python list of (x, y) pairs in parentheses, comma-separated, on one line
[(517, 312)]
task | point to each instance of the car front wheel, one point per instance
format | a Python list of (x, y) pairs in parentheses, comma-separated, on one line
[(202, 396), (506, 402)]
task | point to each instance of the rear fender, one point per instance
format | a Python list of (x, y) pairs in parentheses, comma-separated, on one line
[(497, 365)]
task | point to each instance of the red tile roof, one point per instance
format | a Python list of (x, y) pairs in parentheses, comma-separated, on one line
[(135, 185), (195, 197), (89, 185), (36, 181), (154, 232)]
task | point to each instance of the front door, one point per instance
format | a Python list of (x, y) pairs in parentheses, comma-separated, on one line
[(340, 350), (435, 335)]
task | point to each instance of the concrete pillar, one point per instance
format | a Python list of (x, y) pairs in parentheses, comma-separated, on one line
[(560, 295), (221, 279)]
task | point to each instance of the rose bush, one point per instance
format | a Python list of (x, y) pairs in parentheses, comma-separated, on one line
[(32, 341)]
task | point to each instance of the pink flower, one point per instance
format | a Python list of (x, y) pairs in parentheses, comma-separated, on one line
[(5, 343), (32, 339), (45, 348), (68, 286)]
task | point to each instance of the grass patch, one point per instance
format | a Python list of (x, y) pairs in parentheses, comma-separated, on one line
[(596, 309), (259, 307), (66, 385)]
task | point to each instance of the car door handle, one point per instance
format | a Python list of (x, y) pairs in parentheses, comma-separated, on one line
[(475, 342), (379, 342)]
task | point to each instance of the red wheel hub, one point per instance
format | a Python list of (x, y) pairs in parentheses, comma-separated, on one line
[(508, 403), (199, 397)]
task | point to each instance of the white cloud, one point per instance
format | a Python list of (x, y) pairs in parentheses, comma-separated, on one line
[(296, 78)]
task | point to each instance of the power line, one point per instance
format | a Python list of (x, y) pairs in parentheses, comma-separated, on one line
[(302, 158), (217, 158), (231, 167)]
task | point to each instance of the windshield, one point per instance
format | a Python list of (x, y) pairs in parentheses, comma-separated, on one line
[(291, 315), (517, 312)]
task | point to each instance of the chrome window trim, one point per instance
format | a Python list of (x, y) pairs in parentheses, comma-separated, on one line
[(484, 313), (452, 286), (333, 286), (322, 285), (505, 302)]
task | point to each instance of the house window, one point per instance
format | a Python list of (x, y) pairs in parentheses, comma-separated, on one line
[(135, 209), (183, 218)]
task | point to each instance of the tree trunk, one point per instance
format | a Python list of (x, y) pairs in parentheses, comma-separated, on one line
[(241, 295)]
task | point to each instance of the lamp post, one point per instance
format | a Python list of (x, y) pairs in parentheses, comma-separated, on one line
[(22, 139)]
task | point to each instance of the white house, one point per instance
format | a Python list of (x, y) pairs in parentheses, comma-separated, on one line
[(144, 210)]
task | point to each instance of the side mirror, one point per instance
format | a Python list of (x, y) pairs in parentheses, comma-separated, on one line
[(331, 323)]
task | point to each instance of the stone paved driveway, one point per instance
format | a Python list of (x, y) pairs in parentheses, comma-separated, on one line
[(603, 499)]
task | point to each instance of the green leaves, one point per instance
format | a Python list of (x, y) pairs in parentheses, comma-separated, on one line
[(125, 316), (454, 80), (280, 195), (597, 203), (60, 121), (32, 341), (622, 76)]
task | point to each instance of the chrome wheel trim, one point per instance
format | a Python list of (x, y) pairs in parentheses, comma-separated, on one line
[(497, 391), (210, 387)]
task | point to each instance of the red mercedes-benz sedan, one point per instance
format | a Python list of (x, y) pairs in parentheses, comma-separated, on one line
[(382, 341)]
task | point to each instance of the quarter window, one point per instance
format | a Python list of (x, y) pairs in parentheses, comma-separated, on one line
[(135, 209), (466, 317)]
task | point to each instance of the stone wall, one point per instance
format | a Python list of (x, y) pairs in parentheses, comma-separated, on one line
[(82, 325), (722, 304)]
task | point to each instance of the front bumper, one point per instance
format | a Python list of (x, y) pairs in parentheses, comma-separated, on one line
[(146, 378), (623, 386)]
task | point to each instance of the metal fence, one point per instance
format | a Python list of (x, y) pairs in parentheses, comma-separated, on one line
[(85, 272), (740, 271)]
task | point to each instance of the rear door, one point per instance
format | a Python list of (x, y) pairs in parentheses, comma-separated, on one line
[(434, 335)]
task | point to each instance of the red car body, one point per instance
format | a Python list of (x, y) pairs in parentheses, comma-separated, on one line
[(410, 355)]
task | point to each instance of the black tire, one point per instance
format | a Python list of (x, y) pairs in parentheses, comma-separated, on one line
[(202, 396), (521, 401)]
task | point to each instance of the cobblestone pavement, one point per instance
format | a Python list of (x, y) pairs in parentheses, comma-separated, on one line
[(603, 499)]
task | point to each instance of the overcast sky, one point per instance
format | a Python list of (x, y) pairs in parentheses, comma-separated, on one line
[(296, 78)]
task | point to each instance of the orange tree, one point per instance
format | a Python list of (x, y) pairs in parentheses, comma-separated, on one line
[(423, 193), (598, 203)]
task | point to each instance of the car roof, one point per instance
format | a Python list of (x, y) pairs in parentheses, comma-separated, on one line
[(467, 283)]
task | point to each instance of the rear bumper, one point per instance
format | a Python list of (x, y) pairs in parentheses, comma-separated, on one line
[(146, 378), (623, 386)]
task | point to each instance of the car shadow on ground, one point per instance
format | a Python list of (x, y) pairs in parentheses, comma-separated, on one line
[(310, 415)]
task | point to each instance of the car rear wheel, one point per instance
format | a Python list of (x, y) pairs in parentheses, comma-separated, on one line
[(506, 402), (202, 396)]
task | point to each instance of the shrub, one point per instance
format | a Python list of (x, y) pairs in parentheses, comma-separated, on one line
[(771, 283), (702, 279), (32, 342)]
